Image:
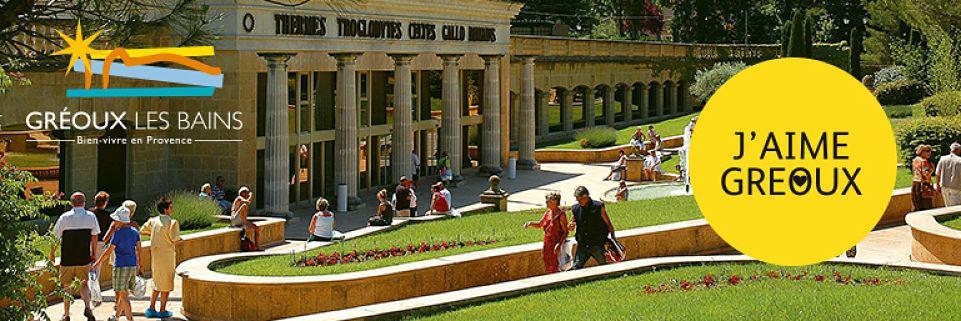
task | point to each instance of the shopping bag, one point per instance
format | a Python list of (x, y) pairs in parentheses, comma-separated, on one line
[(140, 288), (614, 250), (93, 283), (565, 259)]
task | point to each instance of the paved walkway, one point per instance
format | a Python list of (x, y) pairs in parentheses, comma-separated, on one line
[(527, 191), (891, 245)]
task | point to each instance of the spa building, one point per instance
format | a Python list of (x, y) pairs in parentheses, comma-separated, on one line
[(342, 95)]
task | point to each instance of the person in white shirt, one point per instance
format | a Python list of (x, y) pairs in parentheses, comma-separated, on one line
[(948, 173), (322, 224), (652, 165), (78, 231), (415, 162), (619, 167)]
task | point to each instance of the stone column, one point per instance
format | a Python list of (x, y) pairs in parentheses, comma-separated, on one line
[(685, 103), (276, 163), (450, 129), (643, 102), (588, 107), (543, 116), (658, 101), (402, 137), (491, 147), (671, 99), (525, 123), (567, 110), (627, 103), (346, 153), (609, 118)]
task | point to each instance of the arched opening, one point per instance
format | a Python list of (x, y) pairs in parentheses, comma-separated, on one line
[(683, 97), (556, 113), (620, 108), (541, 123), (669, 101), (640, 100), (582, 107), (655, 101), (600, 105)]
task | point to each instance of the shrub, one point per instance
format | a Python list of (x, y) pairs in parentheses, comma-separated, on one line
[(900, 92), (899, 111), (889, 74), (191, 211), (942, 104), (596, 137), (707, 81), (939, 132)]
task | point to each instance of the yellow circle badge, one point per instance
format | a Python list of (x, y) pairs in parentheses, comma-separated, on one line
[(792, 161)]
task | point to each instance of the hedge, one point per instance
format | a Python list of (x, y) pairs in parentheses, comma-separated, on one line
[(939, 132), (942, 104), (899, 92), (596, 137)]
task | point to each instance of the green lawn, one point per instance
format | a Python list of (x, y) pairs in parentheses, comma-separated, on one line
[(954, 223), (33, 159), (902, 295), (666, 128), (505, 226)]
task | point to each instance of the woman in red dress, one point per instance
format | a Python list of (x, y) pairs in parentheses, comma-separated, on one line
[(554, 223)]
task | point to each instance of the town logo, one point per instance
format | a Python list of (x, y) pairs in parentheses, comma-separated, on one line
[(792, 161), (200, 79)]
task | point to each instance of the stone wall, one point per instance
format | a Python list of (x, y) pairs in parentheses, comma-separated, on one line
[(933, 242)]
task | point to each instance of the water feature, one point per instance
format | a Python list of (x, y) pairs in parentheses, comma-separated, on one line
[(653, 190)]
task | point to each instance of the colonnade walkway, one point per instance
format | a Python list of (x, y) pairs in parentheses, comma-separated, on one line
[(889, 245)]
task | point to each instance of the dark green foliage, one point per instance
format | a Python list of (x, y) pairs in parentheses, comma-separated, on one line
[(900, 92), (939, 132), (943, 104), (856, 48), (796, 43), (785, 38), (899, 111), (19, 288), (596, 137), (809, 32)]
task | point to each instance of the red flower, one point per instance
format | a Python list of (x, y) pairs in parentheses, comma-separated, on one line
[(709, 280), (734, 280), (685, 285), (819, 278), (649, 289), (774, 274)]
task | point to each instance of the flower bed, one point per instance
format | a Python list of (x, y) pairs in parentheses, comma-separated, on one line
[(735, 291), (354, 256)]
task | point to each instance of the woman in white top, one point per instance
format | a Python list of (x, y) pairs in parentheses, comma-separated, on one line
[(652, 165), (322, 224)]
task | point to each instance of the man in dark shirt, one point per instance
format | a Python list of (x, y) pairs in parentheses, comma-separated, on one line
[(593, 228), (100, 210), (402, 198), (77, 231)]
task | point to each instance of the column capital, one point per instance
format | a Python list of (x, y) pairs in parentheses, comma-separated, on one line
[(346, 56), (276, 56), (490, 59), (450, 57), (402, 57), (526, 59)]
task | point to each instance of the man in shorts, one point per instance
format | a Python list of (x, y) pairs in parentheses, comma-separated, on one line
[(77, 230)]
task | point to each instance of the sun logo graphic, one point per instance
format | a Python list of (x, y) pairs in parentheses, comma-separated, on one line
[(201, 79)]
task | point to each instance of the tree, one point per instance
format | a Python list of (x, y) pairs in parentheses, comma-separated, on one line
[(574, 13), (855, 60), (25, 36), (926, 41), (797, 43), (724, 21), (18, 287)]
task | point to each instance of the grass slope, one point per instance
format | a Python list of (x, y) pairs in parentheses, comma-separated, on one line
[(506, 225), (666, 128), (920, 296)]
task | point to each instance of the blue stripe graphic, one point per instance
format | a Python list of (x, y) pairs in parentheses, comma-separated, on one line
[(141, 92), (171, 75)]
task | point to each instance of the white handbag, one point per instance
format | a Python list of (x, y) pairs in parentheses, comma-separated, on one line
[(140, 288), (93, 283), (565, 259)]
